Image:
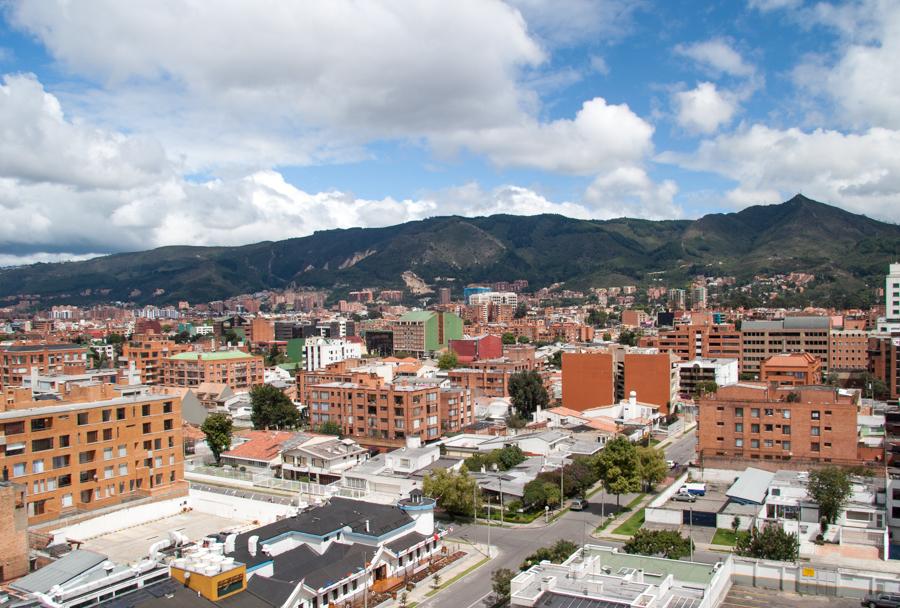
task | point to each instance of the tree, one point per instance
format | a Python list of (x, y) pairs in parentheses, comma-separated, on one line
[(705, 387), (527, 392), (607, 337), (597, 317), (514, 421), (271, 409), (329, 428), (555, 359), (830, 487), (628, 337), (217, 428), (448, 360), (436, 581), (874, 387), (274, 356), (404, 600), (580, 475), (454, 491), (500, 583), (556, 553), (539, 493), (508, 338), (652, 465), (619, 468), (666, 543), (521, 311), (772, 542)]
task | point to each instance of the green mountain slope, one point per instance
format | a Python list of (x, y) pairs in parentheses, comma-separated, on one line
[(799, 234)]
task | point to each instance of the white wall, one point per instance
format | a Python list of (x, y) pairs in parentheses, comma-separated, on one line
[(121, 519), (233, 507)]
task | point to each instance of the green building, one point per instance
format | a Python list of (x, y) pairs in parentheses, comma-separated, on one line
[(422, 333)]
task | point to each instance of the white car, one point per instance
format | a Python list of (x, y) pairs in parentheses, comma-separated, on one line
[(671, 464)]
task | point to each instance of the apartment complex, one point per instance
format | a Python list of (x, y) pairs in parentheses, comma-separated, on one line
[(598, 378), (848, 350), (371, 410), (489, 378), (721, 341), (791, 369), (92, 448), (763, 339), (425, 332), (778, 427), (17, 361), (692, 373), (146, 352), (321, 352), (883, 364), (234, 368), (890, 322)]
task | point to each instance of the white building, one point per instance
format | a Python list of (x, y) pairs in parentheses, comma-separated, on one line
[(321, 352), (721, 371), (495, 298), (890, 322)]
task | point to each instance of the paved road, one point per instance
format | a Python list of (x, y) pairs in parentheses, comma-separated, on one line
[(682, 450), (513, 545)]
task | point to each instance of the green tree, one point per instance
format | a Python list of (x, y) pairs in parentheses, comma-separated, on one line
[(217, 428), (454, 491), (555, 359), (607, 337), (527, 392), (329, 428), (579, 476), (874, 387), (772, 542), (556, 553), (619, 467), (665, 543), (597, 318), (653, 466), (628, 337), (539, 493), (705, 387), (830, 488), (514, 421), (521, 311), (508, 338), (500, 583), (271, 409), (274, 356), (448, 360)]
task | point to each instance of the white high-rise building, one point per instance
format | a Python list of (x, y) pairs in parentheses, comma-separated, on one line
[(321, 352), (890, 322), (495, 298)]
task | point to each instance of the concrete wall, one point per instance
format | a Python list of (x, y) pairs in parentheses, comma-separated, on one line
[(657, 513), (812, 579), (233, 507), (723, 521), (121, 519), (726, 476)]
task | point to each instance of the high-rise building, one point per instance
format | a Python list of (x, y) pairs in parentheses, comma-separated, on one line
[(444, 296), (688, 342), (93, 448), (320, 352), (677, 298), (146, 354), (234, 368), (17, 360), (422, 333), (698, 297), (890, 323), (763, 339), (883, 364)]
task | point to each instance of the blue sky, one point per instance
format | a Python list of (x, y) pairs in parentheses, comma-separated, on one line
[(134, 125)]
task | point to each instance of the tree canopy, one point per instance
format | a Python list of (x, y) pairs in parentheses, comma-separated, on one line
[(772, 542), (830, 488), (448, 360), (329, 428), (556, 553), (505, 458), (271, 409), (659, 543), (454, 491), (527, 392), (217, 428), (619, 467), (653, 466), (500, 583)]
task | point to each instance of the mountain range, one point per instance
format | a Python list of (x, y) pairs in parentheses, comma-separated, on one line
[(845, 251)]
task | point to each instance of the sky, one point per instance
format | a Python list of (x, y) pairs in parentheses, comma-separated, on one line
[(131, 125)]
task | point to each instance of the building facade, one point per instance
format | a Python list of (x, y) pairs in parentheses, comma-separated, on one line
[(763, 339), (422, 333), (147, 353), (17, 361), (238, 370)]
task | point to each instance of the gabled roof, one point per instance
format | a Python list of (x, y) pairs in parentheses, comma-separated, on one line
[(263, 445)]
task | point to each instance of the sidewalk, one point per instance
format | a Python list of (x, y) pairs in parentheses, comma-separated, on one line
[(476, 558)]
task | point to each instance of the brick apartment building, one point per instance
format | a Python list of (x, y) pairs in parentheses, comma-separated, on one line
[(763, 339), (147, 353), (755, 424), (382, 414), (705, 341), (422, 333), (848, 350), (238, 370), (883, 364), (17, 361), (489, 378), (791, 369), (603, 377), (13, 531), (93, 448)]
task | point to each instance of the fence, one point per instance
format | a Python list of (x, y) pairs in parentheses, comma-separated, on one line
[(812, 579)]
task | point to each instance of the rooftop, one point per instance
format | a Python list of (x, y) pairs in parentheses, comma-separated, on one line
[(222, 355)]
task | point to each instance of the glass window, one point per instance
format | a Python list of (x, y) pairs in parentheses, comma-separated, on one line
[(18, 469)]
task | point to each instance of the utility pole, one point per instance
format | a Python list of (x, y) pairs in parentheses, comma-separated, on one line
[(562, 472), (501, 500), (475, 514), (489, 524), (365, 582), (691, 532)]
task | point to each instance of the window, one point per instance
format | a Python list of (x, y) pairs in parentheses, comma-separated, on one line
[(167, 424), (167, 407), (123, 451), (814, 446), (754, 443), (91, 437), (738, 412), (769, 428), (786, 429), (63, 441), (145, 409), (87, 456), (814, 431), (88, 475), (786, 414), (814, 415), (146, 428), (754, 428), (66, 500), (83, 418), (109, 472), (739, 427), (107, 453), (39, 445), (107, 434), (768, 443), (120, 413), (123, 469), (60, 462), (739, 443), (18, 469), (64, 480), (41, 424), (785, 445), (37, 466), (107, 415), (770, 411), (754, 412)]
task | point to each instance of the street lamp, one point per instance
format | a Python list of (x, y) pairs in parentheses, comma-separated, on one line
[(547, 514)]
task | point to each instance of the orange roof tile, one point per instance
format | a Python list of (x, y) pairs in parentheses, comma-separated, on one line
[(263, 445)]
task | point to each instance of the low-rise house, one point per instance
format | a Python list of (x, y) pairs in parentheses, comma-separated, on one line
[(259, 450), (323, 460)]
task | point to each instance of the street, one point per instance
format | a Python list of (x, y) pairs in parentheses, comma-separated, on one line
[(513, 545)]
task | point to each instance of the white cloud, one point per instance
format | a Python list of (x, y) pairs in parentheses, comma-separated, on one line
[(599, 65), (568, 22), (629, 192), (773, 5), (718, 56), (704, 109), (600, 136), (860, 172)]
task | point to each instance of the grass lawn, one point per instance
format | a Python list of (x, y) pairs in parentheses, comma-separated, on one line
[(724, 537), (631, 525)]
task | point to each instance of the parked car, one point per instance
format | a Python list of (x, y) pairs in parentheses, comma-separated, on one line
[(579, 504), (695, 488), (684, 497), (881, 600), (671, 464)]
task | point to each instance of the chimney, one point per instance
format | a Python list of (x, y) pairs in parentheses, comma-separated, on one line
[(367, 526), (632, 398), (252, 544)]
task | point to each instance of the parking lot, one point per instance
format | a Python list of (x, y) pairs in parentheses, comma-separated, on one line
[(704, 508), (751, 597), (131, 544)]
